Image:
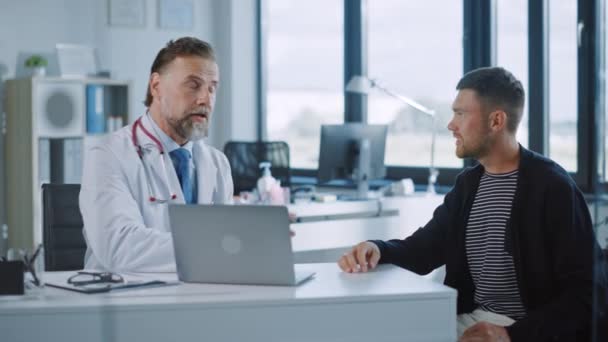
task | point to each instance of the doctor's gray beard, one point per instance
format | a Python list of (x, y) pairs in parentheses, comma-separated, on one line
[(191, 130)]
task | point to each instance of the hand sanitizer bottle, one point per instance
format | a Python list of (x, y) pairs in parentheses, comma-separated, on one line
[(266, 183)]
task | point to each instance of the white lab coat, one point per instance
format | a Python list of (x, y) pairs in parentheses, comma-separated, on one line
[(124, 231)]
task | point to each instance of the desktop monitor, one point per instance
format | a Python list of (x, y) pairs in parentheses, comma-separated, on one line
[(352, 151)]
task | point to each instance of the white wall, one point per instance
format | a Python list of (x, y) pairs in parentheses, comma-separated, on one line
[(129, 52), (35, 26)]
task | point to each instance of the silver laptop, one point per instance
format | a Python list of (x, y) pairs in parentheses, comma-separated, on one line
[(233, 244)]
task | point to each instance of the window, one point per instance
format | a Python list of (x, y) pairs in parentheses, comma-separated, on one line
[(304, 73), (418, 50), (563, 83), (415, 50), (603, 148), (512, 49)]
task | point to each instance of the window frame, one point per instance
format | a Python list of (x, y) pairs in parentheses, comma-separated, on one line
[(479, 49)]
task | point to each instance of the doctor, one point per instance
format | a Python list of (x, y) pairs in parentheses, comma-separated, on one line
[(131, 177)]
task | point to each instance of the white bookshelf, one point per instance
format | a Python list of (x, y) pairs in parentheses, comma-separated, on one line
[(46, 130)]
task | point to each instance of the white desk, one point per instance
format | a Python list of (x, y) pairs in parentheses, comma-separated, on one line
[(388, 304), (326, 241)]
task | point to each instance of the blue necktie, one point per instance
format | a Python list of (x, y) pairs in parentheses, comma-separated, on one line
[(181, 161)]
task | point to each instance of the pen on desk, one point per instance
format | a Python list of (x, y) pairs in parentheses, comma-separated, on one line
[(27, 261), (23, 256), (32, 263), (30, 268), (35, 254), (36, 280)]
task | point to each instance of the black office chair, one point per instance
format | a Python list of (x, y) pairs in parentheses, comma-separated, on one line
[(245, 157), (62, 225)]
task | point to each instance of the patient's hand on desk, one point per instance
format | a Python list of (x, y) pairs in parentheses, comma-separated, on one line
[(360, 258)]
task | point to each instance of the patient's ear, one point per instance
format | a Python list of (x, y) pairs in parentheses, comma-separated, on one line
[(497, 120)]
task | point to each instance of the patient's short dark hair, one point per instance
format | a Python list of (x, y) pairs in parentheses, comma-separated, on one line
[(186, 46), (498, 89)]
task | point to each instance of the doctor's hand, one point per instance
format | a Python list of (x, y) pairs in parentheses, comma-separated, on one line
[(360, 258), (485, 332), (292, 219)]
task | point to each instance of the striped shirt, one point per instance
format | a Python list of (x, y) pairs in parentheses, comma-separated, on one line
[(491, 267)]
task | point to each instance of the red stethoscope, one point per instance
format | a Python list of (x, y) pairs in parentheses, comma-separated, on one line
[(148, 168)]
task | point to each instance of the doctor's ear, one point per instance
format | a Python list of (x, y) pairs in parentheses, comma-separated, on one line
[(154, 84)]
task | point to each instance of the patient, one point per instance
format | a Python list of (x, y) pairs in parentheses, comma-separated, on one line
[(514, 233)]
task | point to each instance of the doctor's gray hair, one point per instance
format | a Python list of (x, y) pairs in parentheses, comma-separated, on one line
[(185, 46)]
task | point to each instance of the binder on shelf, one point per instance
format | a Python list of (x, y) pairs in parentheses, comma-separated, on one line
[(72, 161), (66, 160), (95, 111), (44, 161), (114, 123)]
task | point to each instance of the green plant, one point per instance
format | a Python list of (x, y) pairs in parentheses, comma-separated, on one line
[(35, 61)]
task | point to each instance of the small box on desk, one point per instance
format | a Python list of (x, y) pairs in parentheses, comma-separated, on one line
[(11, 277)]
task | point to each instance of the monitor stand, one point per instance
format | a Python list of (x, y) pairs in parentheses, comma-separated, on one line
[(362, 170)]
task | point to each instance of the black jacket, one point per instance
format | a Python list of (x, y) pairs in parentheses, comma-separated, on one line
[(549, 235)]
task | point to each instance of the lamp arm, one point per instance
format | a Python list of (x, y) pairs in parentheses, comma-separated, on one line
[(434, 135), (433, 172), (407, 100)]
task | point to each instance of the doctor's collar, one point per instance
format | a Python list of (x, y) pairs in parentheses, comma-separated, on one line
[(168, 143)]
